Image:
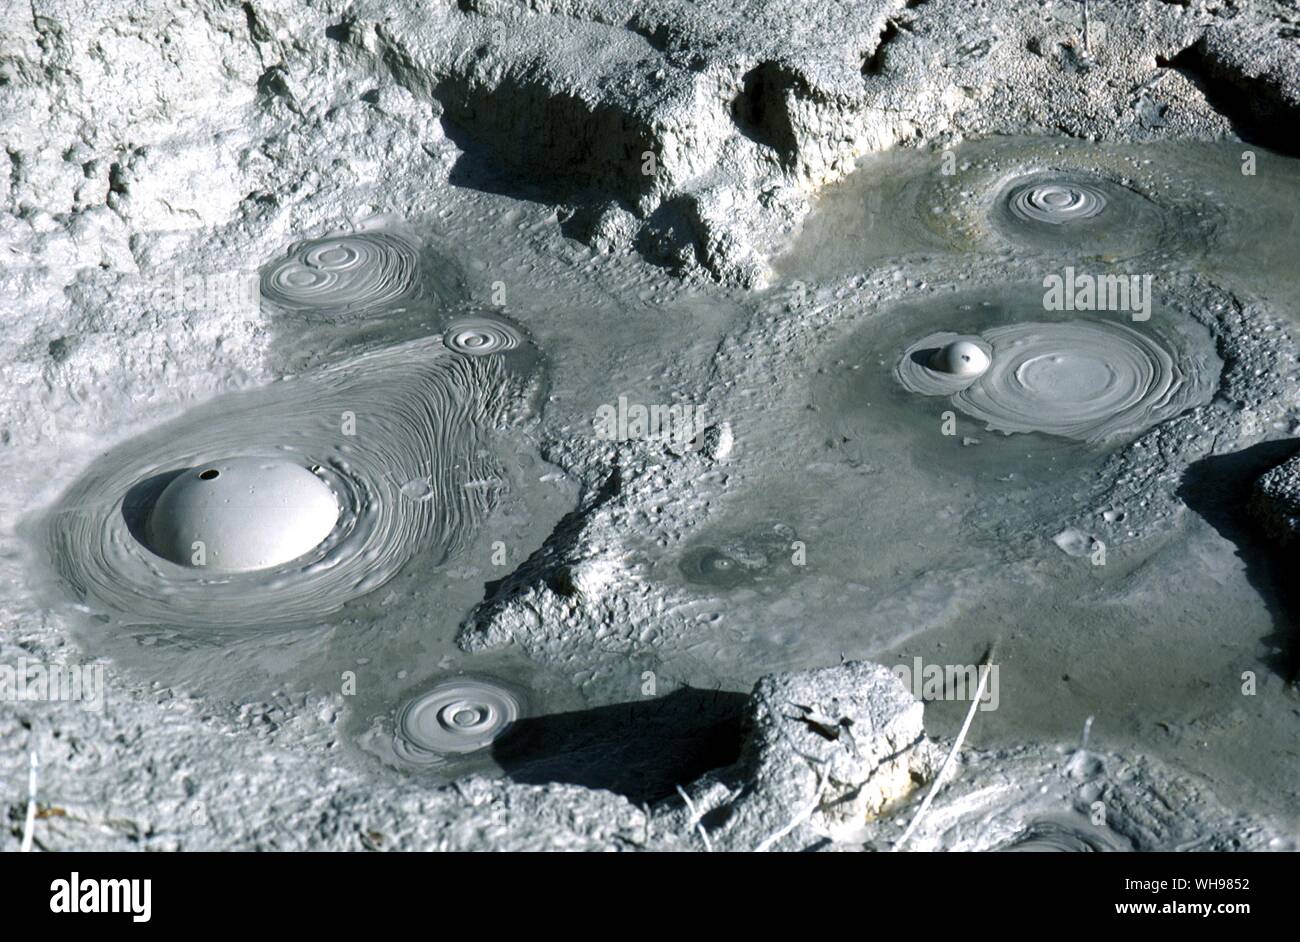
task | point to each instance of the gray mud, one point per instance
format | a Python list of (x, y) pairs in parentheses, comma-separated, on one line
[(754, 220)]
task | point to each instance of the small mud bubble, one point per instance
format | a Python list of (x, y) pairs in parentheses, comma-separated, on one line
[(943, 363), (708, 566), (455, 717), (750, 557), (480, 336), (961, 358)]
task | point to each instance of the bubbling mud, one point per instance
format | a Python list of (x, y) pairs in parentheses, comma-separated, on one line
[(1084, 380), (1056, 203), (1064, 836), (1166, 203), (740, 559), (351, 272), (366, 428), (480, 336), (711, 567), (943, 363), (455, 717), (1060, 211)]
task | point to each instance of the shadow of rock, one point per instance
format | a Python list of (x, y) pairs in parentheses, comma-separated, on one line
[(1219, 489), (1258, 101), (641, 749), (523, 139)]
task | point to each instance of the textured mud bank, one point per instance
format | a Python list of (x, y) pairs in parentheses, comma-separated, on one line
[(615, 333)]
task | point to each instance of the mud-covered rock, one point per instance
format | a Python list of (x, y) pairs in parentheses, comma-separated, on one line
[(826, 751), (1275, 501)]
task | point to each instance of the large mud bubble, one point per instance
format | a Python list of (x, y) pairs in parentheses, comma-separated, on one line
[(399, 436)]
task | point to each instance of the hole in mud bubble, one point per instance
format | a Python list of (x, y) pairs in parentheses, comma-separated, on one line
[(259, 514), (366, 428), (455, 717), (640, 749), (1066, 836), (742, 559)]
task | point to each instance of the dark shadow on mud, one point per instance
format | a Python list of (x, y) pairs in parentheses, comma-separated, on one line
[(140, 499), (1219, 489), (641, 749), (924, 357)]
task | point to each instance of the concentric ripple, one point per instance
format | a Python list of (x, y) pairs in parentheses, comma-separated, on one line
[(480, 336), (367, 428), (711, 567), (1056, 203), (352, 272), (741, 558), (1052, 836), (455, 717), (1085, 380), (1081, 379), (1061, 211)]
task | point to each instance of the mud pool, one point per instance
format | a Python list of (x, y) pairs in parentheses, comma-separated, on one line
[(508, 595), (851, 524)]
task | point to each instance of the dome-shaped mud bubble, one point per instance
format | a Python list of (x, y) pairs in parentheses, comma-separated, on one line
[(241, 514), (366, 428), (455, 717), (961, 358), (943, 363)]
